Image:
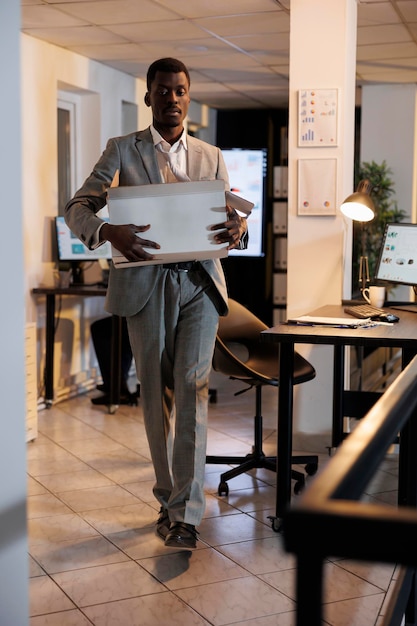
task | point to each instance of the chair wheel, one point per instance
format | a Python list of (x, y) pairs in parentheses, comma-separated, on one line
[(223, 489), (311, 468), (212, 396), (299, 486), (276, 523)]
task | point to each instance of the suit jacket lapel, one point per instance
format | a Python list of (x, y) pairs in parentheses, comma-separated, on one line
[(146, 149), (195, 155)]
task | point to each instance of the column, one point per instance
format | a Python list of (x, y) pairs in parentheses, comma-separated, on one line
[(322, 57)]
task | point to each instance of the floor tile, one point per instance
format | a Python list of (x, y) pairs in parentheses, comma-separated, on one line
[(260, 556), (45, 505), (58, 528), (35, 487), (233, 600), (76, 554), (280, 619), (145, 611), (258, 499), (67, 618), (139, 543), (218, 531), (35, 569), (379, 574), (216, 507), (101, 444), (98, 498), (45, 466), (46, 597), (107, 583), (119, 518), (121, 467), (70, 481), (353, 612), (186, 569)]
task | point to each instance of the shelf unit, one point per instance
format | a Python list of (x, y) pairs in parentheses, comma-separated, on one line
[(279, 227)]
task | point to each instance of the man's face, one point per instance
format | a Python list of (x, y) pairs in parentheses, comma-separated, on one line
[(169, 99)]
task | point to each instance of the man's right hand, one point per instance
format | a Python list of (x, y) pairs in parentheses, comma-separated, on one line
[(124, 238)]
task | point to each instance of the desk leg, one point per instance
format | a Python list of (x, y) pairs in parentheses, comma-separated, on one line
[(116, 357), (284, 432), (49, 350), (338, 394)]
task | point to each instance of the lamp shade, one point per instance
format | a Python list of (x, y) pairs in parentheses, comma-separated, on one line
[(359, 205)]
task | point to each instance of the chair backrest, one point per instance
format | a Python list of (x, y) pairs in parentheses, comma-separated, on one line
[(240, 353)]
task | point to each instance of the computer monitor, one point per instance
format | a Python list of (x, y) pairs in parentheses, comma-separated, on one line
[(397, 262), (247, 170), (70, 250)]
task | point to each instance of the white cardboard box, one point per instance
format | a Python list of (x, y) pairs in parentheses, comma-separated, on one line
[(280, 289), (180, 215), (280, 211), (280, 253), (280, 181)]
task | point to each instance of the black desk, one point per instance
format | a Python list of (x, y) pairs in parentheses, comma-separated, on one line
[(84, 291), (402, 335)]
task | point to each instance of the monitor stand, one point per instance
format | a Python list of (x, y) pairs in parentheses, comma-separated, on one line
[(77, 273)]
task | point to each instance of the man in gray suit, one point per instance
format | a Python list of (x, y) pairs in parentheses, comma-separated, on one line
[(171, 310)]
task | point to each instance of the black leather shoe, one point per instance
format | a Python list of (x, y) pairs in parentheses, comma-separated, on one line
[(162, 524), (182, 536)]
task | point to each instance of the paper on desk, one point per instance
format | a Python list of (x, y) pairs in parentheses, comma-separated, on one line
[(312, 320)]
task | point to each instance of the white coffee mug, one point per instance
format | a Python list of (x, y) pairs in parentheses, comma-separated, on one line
[(374, 295)]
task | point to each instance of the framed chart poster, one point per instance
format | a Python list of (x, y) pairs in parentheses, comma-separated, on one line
[(317, 117)]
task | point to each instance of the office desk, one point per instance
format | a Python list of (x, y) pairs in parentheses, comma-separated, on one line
[(401, 335), (84, 291)]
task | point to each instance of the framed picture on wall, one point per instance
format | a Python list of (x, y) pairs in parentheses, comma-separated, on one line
[(317, 117), (317, 186)]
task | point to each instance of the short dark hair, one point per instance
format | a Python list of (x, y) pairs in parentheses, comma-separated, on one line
[(165, 65)]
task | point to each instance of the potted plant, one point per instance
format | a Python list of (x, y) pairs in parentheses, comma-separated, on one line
[(386, 210)]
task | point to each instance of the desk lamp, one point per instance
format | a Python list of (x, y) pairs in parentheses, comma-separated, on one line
[(360, 208)]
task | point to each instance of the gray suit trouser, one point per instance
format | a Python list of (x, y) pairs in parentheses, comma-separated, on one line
[(172, 340)]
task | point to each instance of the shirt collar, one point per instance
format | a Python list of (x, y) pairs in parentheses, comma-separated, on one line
[(157, 138)]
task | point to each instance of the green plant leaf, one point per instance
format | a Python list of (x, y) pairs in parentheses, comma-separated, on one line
[(387, 211)]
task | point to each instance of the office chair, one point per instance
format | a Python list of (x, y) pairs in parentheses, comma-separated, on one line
[(240, 354)]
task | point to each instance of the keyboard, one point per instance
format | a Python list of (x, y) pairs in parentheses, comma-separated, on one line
[(364, 311)]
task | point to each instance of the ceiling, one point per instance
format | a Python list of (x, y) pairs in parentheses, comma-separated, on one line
[(236, 50)]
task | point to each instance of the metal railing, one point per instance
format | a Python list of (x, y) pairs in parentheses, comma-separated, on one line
[(329, 519)]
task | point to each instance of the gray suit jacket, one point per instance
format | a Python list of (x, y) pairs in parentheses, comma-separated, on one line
[(134, 158)]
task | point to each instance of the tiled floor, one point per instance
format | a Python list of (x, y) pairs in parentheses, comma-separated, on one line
[(96, 560)]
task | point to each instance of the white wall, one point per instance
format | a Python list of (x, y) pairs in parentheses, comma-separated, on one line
[(391, 136), (13, 543)]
